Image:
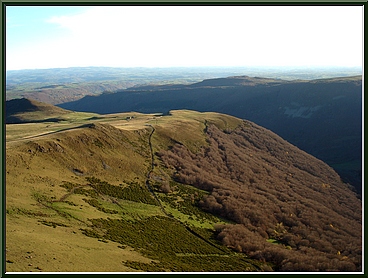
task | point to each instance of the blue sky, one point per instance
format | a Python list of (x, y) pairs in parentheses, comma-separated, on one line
[(164, 36)]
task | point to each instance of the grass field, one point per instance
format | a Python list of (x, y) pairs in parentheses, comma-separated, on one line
[(76, 189)]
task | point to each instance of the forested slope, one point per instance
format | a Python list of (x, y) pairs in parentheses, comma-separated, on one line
[(276, 193), (322, 117), (167, 192)]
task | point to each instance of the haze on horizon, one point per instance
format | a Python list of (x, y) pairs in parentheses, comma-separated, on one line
[(39, 37)]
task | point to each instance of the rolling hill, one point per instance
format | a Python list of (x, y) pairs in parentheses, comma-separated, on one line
[(28, 110), (322, 117), (185, 191), (59, 85), (21, 111)]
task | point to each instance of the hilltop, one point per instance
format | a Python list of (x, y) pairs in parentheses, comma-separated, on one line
[(322, 116), (184, 191), (28, 110)]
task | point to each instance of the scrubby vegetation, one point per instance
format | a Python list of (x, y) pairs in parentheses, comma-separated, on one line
[(231, 197), (172, 245), (52, 223), (97, 205), (167, 241), (273, 191), (185, 199), (133, 192)]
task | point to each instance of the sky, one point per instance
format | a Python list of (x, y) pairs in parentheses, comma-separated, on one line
[(183, 36)]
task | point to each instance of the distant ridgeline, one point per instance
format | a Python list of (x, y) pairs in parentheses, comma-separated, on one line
[(322, 117)]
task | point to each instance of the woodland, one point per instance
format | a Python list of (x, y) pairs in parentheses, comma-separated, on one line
[(289, 208), (183, 190)]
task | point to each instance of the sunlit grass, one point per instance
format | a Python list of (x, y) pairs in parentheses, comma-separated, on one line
[(43, 187)]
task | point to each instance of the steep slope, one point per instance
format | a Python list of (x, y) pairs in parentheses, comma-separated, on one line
[(160, 193), (322, 117), (45, 213), (276, 192), (82, 191)]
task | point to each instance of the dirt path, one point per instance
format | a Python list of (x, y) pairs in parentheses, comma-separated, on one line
[(41, 134), (149, 187)]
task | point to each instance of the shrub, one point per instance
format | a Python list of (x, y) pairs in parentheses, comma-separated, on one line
[(133, 192), (272, 190)]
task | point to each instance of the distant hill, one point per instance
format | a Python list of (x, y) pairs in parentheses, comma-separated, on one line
[(322, 116), (59, 85), (28, 110), (185, 191)]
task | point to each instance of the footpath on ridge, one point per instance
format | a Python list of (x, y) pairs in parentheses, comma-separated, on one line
[(149, 187)]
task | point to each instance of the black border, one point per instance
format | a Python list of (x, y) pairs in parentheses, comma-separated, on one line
[(5, 3)]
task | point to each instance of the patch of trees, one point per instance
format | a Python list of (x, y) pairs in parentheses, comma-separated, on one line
[(323, 117), (166, 240), (185, 199), (274, 191), (134, 192), (95, 203)]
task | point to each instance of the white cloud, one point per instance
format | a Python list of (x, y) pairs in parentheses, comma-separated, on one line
[(206, 35)]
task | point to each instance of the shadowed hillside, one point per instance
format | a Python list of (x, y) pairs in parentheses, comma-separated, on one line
[(187, 191), (59, 85), (28, 110), (322, 117), (276, 193)]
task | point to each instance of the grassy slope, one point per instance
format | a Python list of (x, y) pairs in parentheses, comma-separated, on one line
[(50, 218), (321, 117), (38, 175), (60, 213)]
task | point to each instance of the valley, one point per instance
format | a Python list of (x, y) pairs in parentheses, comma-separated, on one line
[(317, 109), (322, 117), (215, 139), (181, 191), (60, 85)]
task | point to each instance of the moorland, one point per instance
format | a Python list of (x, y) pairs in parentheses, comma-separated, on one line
[(320, 111), (177, 191), (321, 116)]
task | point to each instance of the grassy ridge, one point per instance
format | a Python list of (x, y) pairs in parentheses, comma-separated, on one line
[(133, 186), (82, 188)]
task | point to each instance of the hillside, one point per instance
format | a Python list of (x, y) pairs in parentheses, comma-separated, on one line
[(55, 86), (322, 117), (187, 191), (28, 110)]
